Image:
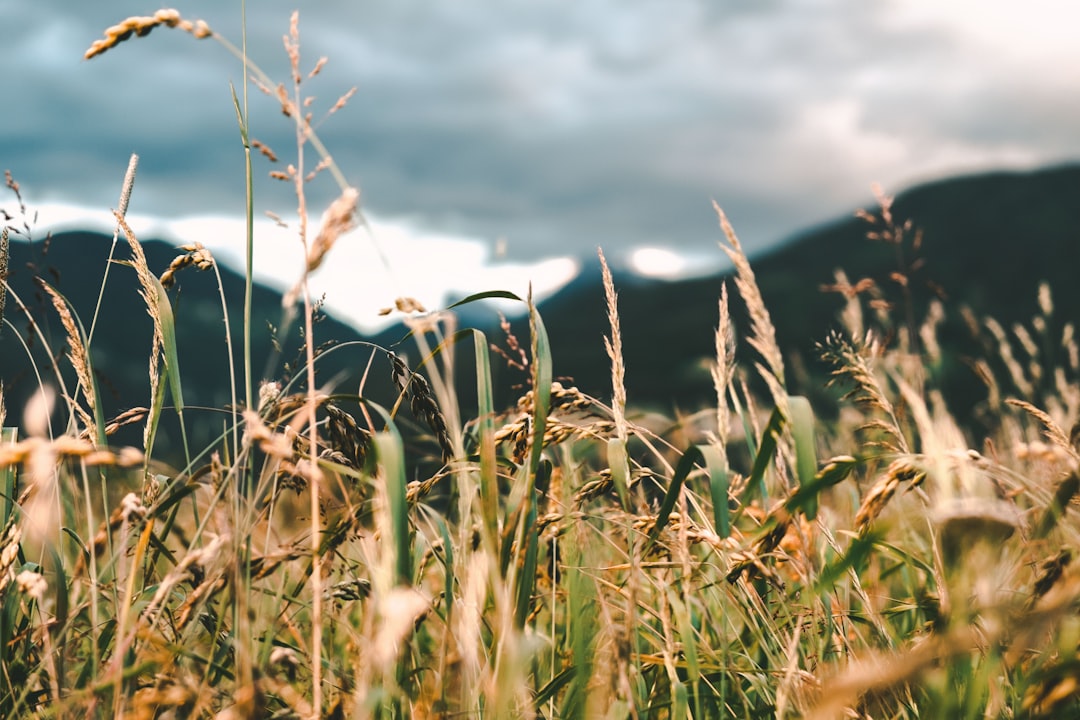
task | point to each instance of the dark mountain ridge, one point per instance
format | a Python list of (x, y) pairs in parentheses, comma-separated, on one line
[(987, 240)]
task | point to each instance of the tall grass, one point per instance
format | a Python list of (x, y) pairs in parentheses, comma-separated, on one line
[(558, 558)]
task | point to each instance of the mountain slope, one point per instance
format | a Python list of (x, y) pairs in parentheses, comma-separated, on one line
[(987, 242), (75, 263)]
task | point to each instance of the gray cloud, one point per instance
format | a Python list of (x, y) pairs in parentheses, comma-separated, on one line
[(558, 125)]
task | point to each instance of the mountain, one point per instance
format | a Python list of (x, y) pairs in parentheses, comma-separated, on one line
[(75, 262), (987, 241)]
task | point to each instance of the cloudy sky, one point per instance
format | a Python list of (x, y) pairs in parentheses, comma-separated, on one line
[(539, 129)]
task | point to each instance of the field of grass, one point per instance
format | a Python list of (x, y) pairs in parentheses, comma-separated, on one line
[(565, 557)]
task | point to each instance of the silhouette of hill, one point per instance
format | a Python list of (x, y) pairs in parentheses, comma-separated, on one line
[(75, 262), (987, 241)]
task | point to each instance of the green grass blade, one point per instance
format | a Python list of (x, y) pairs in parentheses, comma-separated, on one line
[(1063, 495), (168, 334), (487, 295), (489, 487), (527, 578), (835, 471), (682, 470), (249, 244), (581, 629), (552, 687), (619, 462), (719, 482), (853, 559), (680, 701), (802, 431), (681, 615), (448, 569), (391, 455), (8, 435), (766, 449), (541, 353)]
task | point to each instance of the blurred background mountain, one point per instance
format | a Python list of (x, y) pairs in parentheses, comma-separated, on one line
[(986, 242)]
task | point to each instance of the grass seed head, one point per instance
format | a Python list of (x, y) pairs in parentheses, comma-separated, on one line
[(338, 219), (140, 26), (4, 252)]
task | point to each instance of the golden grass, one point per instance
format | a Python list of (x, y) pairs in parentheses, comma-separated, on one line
[(560, 558)]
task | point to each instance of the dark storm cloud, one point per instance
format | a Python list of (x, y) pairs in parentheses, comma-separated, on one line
[(557, 125)]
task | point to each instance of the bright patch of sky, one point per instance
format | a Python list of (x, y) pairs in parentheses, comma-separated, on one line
[(364, 273)]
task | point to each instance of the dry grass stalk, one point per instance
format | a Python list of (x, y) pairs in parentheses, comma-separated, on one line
[(141, 26), (4, 254), (723, 372), (763, 333), (1012, 365), (77, 355), (64, 447), (404, 305), (194, 254), (1051, 429), (422, 403), (851, 316), (338, 219), (853, 362), (9, 552), (751, 561), (148, 284), (901, 470), (613, 346), (128, 417)]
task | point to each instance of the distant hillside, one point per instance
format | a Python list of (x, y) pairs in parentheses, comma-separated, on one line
[(988, 241), (75, 262)]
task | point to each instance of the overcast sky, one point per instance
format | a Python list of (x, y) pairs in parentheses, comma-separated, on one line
[(553, 125)]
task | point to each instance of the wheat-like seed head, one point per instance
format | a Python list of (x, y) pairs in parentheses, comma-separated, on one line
[(854, 362), (613, 346), (141, 26), (148, 284), (4, 252), (195, 254), (900, 470), (723, 372), (338, 219), (763, 333), (77, 354), (9, 551), (1053, 432)]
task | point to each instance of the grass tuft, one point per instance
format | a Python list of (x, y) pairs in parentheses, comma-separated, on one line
[(328, 557)]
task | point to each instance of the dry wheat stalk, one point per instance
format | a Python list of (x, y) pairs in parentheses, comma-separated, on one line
[(4, 253), (613, 346), (1051, 429), (422, 403), (194, 254), (901, 470), (763, 333), (77, 354), (148, 284), (141, 26), (338, 219), (723, 372), (9, 552), (853, 362)]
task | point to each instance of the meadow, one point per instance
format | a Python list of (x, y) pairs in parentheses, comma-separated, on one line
[(567, 556)]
